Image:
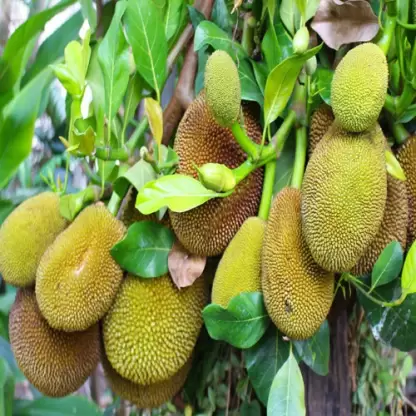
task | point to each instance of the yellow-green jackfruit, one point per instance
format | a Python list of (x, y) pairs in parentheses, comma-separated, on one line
[(407, 158), (26, 234), (152, 327), (343, 196), (77, 278), (321, 121), (222, 88), (145, 396), (240, 267), (57, 363), (359, 87), (297, 292), (208, 229)]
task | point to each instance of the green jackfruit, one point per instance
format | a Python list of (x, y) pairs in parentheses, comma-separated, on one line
[(26, 234), (152, 327), (208, 229), (77, 278), (343, 196), (222, 88), (240, 267), (145, 396), (321, 121), (57, 363), (297, 292), (359, 87)]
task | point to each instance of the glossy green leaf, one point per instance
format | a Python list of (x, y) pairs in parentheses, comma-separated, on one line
[(172, 17), (250, 409), (409, 271), (408, 115), (7, 299), (249, 89), (144, 250), (287, 394), (132, 99), (221, 16), (177, 192), (113, 56), (388, 265), (301, 6), (270, 48), (280, 84), (290, 15), (196, 16), (393, 166), (71, 205), (284, 168), (323, 78), (208, 33), (315, 351), (148, 41), (263, 361), (6, 389), (89, 13), (203, 56), (242, 324), (260, 73), (18, 125)]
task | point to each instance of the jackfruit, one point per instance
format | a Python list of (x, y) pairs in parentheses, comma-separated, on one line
[(407, 159), (26, 234), (240, 267), (297, 292), (359, 87), (77, 278), (145, 396), (321, 121), (343, 196), (222, 88), (152, 327), (208, 229), (57, 363)]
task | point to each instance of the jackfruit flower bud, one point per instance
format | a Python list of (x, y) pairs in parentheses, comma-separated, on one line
[(300, 41), (217, 177)]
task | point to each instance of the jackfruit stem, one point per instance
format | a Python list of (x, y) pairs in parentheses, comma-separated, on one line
[(300, 157), (399, 104), (138, 134), (114, 204), (251, 148), (108, 153), (400, 134), (248, 33), (387, 36), (267, 194)]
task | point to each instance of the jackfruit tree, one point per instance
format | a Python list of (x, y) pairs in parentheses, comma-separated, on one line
[(207, 207)]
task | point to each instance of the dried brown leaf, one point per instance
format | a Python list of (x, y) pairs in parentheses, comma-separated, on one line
[(340, 22), (184, 267)]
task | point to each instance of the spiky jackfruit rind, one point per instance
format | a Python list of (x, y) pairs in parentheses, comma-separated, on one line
[(343, 196), (57, 363), (297, 292), (208, 229), (240, 267), (26, 234), (321, 121), (77, 279), (407, 159), (152, 327), (222, 88), (145, 396), (359, 87)]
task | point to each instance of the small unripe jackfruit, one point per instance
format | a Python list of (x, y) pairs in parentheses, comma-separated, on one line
[(343, 196), (222, 88), (321, 121), (240, 267), (217, 177), (26, 234), (152, 327), (297, 292), (77, 278), (300, 41), (359, 87), (57, 363)]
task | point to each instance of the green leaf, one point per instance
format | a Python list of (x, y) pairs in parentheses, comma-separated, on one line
[(148, 41), (6, 207), (315, 351), (301, 5), (18, 125), (71, 205), (221, 16), (89, 13), (388, 265), (408, 115), (132, 99), (66, 406), (284, 169), (113, 56), (393, 166), (7, 299), (144, 250), (409, 271), (280, 84), (271, 48), (173, 17), (260, 73), (196, 16), (6, 389), (200, 75), (249, 89), (287, 394), (290, 15), (179, 193), (7, 354), (263, 361), (242, 324), (323, 78), (250, 409), (208, 33)]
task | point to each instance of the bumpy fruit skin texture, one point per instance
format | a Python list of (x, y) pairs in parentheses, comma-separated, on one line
[(321, 121), (57, 363), (297, 292), (407, 158), (359, 87), (77, 278), (208, 229), (222, 88), (25, 236), (240, 267), (343, 196), (145, 396), (152, 327)]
